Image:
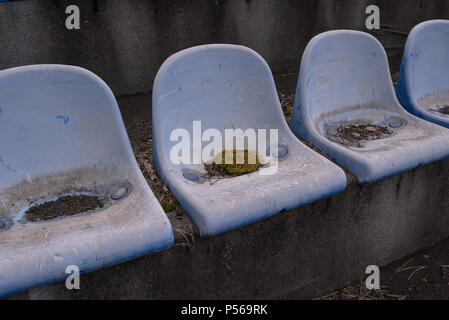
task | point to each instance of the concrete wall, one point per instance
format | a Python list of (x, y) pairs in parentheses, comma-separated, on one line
[(302, 253), (125, 41)]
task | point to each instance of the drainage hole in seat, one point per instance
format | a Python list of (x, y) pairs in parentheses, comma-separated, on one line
[(119, 193), (280, 152), (395, 123), (191, 176)]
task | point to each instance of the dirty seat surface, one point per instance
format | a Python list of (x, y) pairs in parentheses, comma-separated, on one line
[(346, 106), (231, 87), (423, 85), (71, 192)]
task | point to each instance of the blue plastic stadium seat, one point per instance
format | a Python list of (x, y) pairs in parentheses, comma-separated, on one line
[(423, 85), (231, 87), (346, 106), (62, 135)]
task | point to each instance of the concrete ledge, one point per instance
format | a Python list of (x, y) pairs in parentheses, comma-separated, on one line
[(302, 253)]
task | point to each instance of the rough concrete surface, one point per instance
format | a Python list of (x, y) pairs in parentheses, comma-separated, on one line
[(126, 41)]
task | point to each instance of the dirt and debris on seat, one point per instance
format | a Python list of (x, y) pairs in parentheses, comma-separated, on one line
[(63, 206), (443, 109), (226, 165), (356, 135)]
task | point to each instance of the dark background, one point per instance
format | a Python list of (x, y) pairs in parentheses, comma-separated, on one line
[(125, 41)]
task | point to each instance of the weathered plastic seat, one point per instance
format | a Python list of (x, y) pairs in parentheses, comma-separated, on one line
[(423, 85), (231, 87), (346, 106), (62, 135)]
